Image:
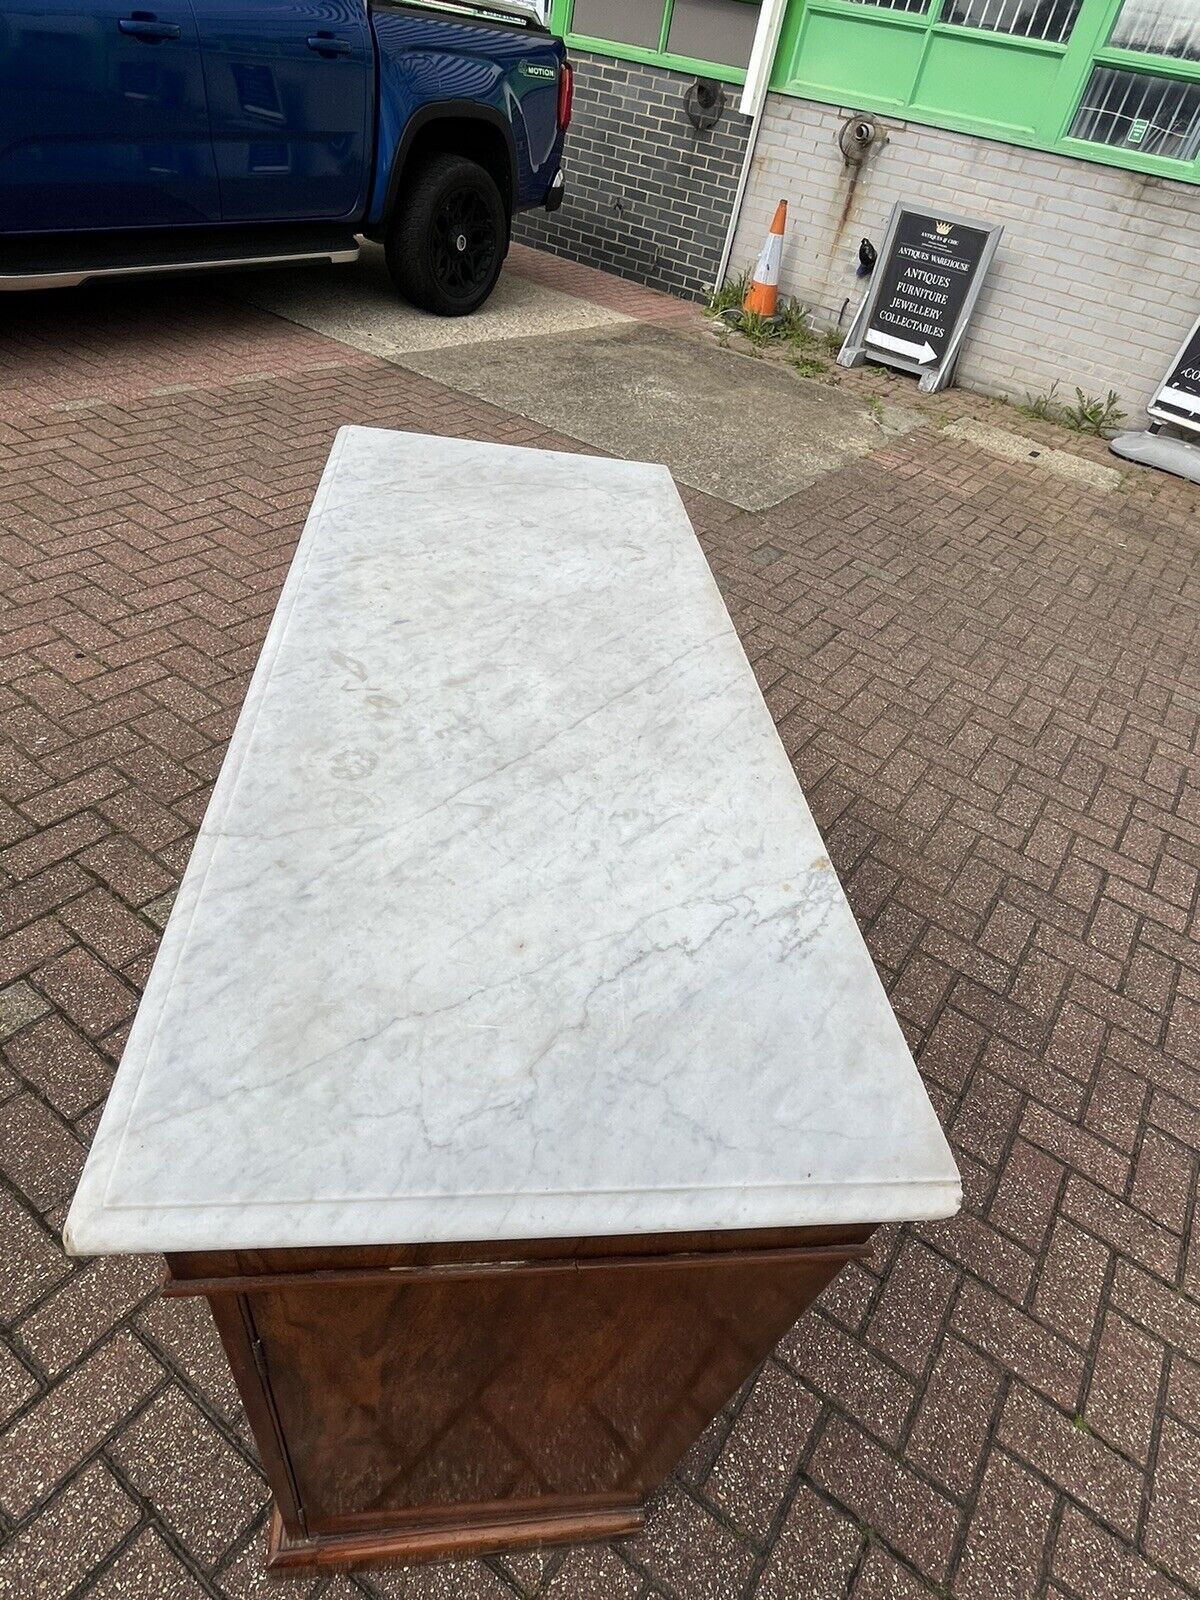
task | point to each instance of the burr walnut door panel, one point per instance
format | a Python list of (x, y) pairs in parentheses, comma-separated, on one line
[(550, 1387)]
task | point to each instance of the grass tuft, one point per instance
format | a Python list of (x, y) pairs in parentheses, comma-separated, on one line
[(730, 294)]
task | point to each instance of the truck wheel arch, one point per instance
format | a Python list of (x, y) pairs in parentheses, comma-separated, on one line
[(459, 127)]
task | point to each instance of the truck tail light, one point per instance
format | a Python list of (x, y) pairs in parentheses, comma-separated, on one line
[(566, 96)]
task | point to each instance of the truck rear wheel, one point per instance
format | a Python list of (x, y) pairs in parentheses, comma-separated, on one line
[(446, 240)]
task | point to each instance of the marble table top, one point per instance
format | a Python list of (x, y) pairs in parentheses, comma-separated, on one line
[(508, 918)]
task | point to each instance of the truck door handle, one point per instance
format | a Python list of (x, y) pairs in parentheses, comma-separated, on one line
[(326, 44), (149, 29)]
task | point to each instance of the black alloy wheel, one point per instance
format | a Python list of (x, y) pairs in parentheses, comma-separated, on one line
[(462, 244), (447, 240)]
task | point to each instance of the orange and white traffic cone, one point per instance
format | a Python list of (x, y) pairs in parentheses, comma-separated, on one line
[(763, 294)]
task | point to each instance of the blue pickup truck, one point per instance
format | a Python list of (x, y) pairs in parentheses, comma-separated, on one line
[(170, 135)]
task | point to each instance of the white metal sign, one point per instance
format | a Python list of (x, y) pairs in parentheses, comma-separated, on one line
[(1177, 398)]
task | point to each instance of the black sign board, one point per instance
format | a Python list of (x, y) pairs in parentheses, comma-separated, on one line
[(1177, 399), (921, 294)]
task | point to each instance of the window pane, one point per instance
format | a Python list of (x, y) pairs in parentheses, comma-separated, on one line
[(1026, 19), (713, 30), (1133, 111), (1159, 27), (898, 5), (622, 21)]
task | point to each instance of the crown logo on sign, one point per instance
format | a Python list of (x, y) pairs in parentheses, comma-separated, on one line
[(942, 227)]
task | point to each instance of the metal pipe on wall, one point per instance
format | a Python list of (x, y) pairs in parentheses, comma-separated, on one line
[(752, 104)]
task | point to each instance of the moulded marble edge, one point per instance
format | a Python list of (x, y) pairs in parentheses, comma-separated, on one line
[(459, 1219)]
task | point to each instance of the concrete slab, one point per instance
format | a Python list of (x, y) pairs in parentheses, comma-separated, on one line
[(358, 306), (746, 431), (1016, 447)]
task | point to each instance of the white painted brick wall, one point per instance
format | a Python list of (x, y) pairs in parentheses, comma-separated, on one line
[(1096, 280)]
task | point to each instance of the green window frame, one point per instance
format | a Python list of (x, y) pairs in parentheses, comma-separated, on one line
[(873, 56), (561, 19)]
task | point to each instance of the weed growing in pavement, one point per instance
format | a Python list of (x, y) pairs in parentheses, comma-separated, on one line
[(729, 295), (794, 325), (759, 330), (790, 328), (1089, 414), (1043, 407)]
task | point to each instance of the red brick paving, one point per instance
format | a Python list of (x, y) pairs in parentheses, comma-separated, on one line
[(97, 344), (988, 680), (587, 283)]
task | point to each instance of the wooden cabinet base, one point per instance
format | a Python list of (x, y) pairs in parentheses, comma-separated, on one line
[(425, 1403), (458, 1543)]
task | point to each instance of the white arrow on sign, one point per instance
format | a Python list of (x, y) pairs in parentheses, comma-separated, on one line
[(903, 347), (1181, 398)]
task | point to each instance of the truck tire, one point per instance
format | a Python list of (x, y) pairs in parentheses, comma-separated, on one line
[(448, 235)]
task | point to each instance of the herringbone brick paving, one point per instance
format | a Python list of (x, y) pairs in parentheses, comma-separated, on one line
[(988, 680)]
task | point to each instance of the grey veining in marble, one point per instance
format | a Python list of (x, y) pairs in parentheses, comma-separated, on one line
[(508, 918)]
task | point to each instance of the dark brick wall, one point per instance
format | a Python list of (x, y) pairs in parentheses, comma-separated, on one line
[(647, 195)]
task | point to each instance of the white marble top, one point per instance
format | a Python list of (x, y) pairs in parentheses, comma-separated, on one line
[(508, 918)]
